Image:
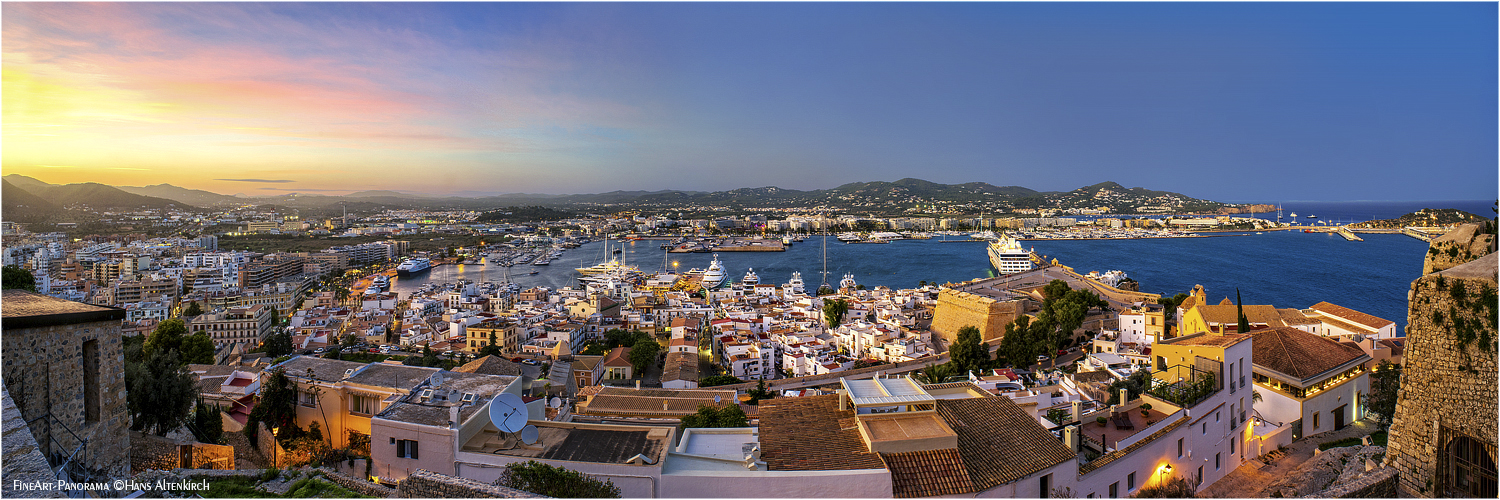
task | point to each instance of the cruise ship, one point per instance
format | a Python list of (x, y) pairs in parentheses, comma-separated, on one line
[(1007, 256), (750, 279), (796, 283), (413, 266), (714, 276)]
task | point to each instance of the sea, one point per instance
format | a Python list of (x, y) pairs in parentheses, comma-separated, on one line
[(1280, 268)]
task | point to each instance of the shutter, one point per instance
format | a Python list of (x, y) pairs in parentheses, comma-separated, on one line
[(401, 448), (412, 449)]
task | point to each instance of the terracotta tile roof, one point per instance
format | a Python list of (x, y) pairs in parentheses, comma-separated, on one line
[(1352, 315), (927, 473), (1229, 314), (1294, 317), (680, 366), (619, 356), (811, 433), (1300, 354), (491, 365), (998, 441), (1211, 339)]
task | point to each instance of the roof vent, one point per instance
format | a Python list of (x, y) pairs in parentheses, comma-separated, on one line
[(426, 395), (348, 372), (640, 459), (467, 398)]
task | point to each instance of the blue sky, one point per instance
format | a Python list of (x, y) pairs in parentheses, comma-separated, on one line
[(1225, 101)]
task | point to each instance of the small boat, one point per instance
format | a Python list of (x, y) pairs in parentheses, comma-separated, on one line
[(533, 272)]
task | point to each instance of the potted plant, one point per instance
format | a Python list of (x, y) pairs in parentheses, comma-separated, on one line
[(1101, 420), (1145, 409)]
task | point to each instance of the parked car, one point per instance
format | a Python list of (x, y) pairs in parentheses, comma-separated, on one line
[(1041, 358), (529, 361)]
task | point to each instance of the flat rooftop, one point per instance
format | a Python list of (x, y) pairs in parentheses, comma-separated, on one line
[(577, 442)]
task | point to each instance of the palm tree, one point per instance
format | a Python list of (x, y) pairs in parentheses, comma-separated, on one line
[(935, 374)]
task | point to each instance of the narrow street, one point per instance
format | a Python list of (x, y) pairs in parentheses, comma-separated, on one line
[(1248, 481)]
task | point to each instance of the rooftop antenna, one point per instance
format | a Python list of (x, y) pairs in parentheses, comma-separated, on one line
[(508, 413)]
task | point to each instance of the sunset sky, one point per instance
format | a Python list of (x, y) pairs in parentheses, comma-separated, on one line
[(1225, 101)]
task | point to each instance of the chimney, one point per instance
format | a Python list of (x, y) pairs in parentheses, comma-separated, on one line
[(453, 416), (843, 401), (1124, 396), (1070, 437), (1076, 411), (637, 385)]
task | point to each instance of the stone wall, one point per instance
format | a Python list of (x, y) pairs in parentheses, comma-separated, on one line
[(156, 452), (426, 484), (957, 309), (1449, 383), (1380, 483), (1458, 246), (359, 486), (45, 370), (266, 443)]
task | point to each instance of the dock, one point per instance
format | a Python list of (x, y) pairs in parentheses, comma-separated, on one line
[(1347, 234)]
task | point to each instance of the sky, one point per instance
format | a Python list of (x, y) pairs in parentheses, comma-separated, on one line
[(1235, 102)]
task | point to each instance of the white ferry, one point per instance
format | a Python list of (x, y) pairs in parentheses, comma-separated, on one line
[(1007, 256), (413, 266), (714, 276)]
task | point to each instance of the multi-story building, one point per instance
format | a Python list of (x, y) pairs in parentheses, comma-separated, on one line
[(235, 325), (270, 269)]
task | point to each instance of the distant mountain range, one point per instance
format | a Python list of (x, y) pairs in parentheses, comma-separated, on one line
[(905, 196)]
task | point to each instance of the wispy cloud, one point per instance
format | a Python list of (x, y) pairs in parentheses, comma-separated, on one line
[(299, 190), (273, 181)]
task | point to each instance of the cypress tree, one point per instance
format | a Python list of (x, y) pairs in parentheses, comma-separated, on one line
[(1240, 309)]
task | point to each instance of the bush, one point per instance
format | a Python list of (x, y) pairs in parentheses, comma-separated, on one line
[(1176, 487), (1379, 438), (557, 482)]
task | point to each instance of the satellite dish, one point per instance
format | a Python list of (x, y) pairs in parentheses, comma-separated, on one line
[(529, 434), (508, 413), (556, 402), (716, 398)]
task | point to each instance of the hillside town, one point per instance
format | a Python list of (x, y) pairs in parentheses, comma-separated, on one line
[(1043, 382)]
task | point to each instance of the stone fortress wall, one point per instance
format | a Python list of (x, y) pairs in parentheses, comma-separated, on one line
[(1449, 382)]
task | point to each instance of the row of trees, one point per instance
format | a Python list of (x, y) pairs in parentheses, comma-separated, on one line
[(1063, 311)]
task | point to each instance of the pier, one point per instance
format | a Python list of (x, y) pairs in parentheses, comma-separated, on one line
[(1347, 234)]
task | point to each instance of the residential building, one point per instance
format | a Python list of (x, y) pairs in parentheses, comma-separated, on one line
[(235, 325), (1310, 382)]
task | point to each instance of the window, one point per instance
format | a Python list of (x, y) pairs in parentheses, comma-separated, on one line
[(1200, 474), (1232, 424), (1114, 489), (1216, 461), (1216, 416), (406, 448), (362, 404), (1315, 420), (1205, 429), (1130, 482), (91, 380), (1179, 447), (309, 400)]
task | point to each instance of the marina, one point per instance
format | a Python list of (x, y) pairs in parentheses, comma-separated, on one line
[(1328, 267)]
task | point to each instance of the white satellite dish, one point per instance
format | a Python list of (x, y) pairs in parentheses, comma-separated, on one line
[(716, 398), (556, 402), (508, 413), (529, 434)]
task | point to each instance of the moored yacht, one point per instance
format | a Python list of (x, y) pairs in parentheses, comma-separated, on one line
[(1007, 256), (714, 276), (796, 284), (750, 278), (848, 281)]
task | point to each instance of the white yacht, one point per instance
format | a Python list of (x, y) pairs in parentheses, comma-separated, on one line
[(750, 278), (607, 267), (413, 266), (796, 284), (848, 281), (1007, 256), (714, 276)]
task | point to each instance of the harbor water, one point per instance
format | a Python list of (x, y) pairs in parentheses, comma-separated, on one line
[(1281, 268)]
